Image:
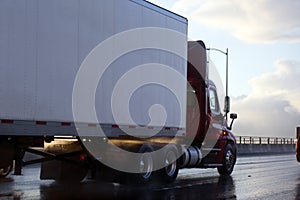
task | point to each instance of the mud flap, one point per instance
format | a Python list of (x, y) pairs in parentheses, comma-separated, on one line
[(63, 170)]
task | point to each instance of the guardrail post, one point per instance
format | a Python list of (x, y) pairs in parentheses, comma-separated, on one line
[(259, 140), (250, 140)]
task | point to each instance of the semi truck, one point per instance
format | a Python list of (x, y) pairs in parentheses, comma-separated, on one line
[(46, 46)]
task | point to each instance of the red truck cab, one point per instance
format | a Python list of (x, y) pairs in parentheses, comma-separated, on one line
[(213, 137)]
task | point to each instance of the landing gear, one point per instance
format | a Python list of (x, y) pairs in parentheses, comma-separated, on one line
[(228, 162)]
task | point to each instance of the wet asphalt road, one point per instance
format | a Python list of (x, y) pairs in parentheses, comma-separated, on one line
[(264, 177)]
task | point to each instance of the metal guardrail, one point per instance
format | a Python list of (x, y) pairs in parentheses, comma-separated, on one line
[(264, 140)]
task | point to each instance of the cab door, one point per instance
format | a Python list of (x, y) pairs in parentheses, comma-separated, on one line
[(215, 119)]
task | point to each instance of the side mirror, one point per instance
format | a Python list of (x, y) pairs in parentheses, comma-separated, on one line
[(233, 116), (227, 104)]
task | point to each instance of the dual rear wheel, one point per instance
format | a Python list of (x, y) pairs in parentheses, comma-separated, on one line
[(169, 173), (147, 164)]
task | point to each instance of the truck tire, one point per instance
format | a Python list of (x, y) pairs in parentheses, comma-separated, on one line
[(228, 161), (7, 154), (5, 170), (146, 166), (169, 173)]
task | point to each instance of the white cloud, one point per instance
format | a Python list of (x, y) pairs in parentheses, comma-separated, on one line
[(273, 107), (252, 21)]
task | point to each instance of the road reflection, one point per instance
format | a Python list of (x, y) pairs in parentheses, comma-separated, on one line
[(8, 192), (272, 177), (297, 189), (221, 188)]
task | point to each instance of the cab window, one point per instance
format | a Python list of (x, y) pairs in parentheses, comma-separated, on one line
[(213, 101)]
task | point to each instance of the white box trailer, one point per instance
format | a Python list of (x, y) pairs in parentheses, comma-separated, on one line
[(79, 67), (44, 43)]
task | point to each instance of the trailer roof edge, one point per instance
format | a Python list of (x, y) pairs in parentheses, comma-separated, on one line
[(161, 10)]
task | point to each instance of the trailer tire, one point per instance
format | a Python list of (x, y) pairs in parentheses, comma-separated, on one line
[(228, 161), (7, 155), (169, 173), (5, 170), (146, 165)]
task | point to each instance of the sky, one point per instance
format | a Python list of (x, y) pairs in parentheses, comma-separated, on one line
[(263, 38)]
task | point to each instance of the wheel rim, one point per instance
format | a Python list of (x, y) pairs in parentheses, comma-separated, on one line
[(146, 166), (229, 159), (170, 163), (5, 170)]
